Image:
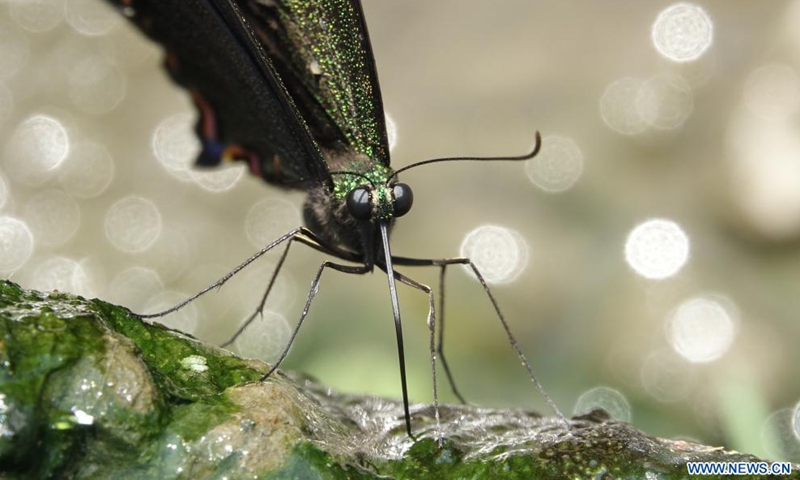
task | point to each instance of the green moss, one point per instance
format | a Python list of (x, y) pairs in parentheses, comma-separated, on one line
[(88, 390)]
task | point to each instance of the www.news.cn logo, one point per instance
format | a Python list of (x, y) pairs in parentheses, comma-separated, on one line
[(739, 468)]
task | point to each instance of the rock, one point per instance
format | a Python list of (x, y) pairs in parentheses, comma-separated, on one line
[(88, 390)]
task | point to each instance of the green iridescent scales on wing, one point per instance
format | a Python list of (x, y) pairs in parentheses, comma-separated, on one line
[(334, 63)]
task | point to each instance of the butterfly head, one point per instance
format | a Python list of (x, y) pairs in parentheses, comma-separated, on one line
[(380, 202), (374, 195)]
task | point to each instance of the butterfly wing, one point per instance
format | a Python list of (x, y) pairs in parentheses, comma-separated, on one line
[(245, 112), (322, 51), (281, 85)]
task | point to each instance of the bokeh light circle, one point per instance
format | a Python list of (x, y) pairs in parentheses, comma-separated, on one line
[(619, 108), (682, 32), (134, 286), (89, 17), (702, 329), (53, 216), (36, 149), (499, 253), (665, 101), (175, 145), (16, 244), (133, 224), (37, 15), (657, 249), (65, 275), (609, 399), (88, 171), (269, 219), (265, 338), (557, 166), (220, 179), (765, 175), (778, 436)]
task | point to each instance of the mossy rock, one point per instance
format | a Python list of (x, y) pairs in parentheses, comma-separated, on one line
[(88, 390)]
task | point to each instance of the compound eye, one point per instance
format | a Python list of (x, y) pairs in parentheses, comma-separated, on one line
[(358, 203), (403, 199)]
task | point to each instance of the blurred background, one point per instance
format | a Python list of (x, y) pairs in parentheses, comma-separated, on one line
[(648, 260)]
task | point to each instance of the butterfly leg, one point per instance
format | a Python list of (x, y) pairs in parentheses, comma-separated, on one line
[(298, 233), (315, 244), (356, 270), (444, 262), (440, 343), (260, 310), (431, 329)]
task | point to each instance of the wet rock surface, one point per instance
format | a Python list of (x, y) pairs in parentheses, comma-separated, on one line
[(89, 391)]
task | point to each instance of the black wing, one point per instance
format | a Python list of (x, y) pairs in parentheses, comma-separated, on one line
[(276, 83)]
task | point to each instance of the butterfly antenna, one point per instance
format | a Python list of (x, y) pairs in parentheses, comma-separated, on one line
[(536, 147)]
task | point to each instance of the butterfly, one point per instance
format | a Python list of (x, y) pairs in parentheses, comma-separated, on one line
[(290, 88)]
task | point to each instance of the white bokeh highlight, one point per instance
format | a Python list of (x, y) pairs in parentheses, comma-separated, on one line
[(88, 171), (499, 253), (619, 108), (609, 399), (37, 15), (665, 101), (36, 149), (778, 436), (632, 106), (557, 166), (53, 216), (269, 219), (220, 179), (175, 145), (682, 32), (657, 249), (702, 329), (134, 286), (133, 224), (65, 275), (265, 338), (16, 244), (765, 174), (91, 18)]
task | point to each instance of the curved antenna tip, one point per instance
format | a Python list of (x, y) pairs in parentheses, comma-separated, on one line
[(537, 146)]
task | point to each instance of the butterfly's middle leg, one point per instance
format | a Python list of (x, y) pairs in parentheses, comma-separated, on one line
[(443, 263), (352, 269), (415, 262), (315, 244), (431, 329)]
